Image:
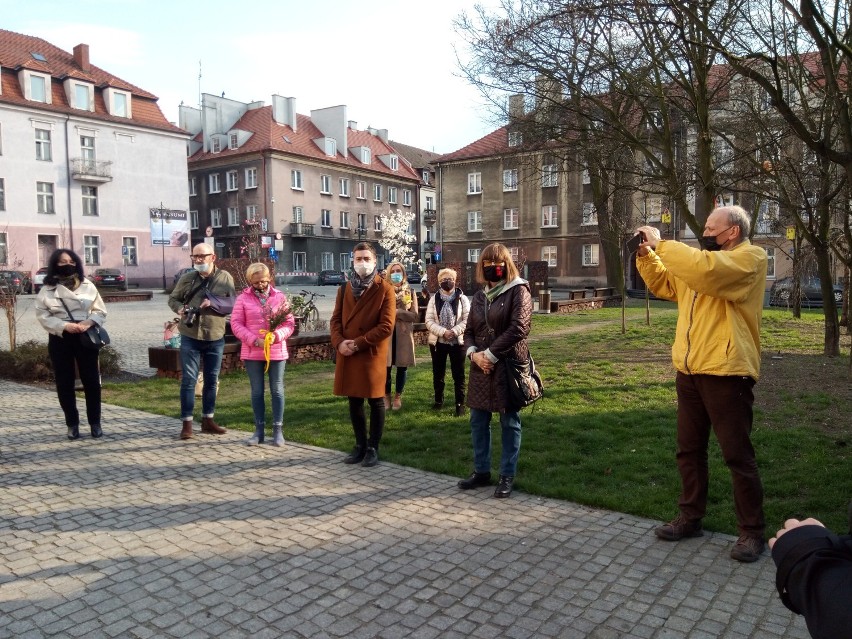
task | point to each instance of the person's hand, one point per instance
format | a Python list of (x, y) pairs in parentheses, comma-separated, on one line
[(204, 304), (482, 361), (448, 334), (347, 347), (73, 327), (652, 238), (790, 524)]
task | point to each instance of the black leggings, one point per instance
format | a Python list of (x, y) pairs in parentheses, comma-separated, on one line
[(64, 352), (359, 421)]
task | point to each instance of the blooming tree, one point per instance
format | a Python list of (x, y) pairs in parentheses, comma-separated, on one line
[(396, 237)]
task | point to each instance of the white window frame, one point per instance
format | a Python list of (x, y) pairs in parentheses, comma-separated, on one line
[(45, 198), (549, 216), (590, 214), (193, 219), (377, 193), (233, 141), (325, 184), (510, 180), (296, 180), (132, 257), (362, 223), (252, 213), (88, 102), (215, 144), (344, 219), (298, 214), (377, 223), (473, 254), (474, 183), (549, 176), (514, 253), (213, 183), (327, 261), (233, 216), (343, 185), (92, 250), (90, 200), (193, 187), (511, 219), (406, 197), (118, 101), (325, 218), (216, 218), (424, 174), (361, 188), (394, 162), (391, 195), (232, 181), (345, 261), (549, 255), (770, 262), (46, 96), (251, 178), (44, 145), (474, 221), (591, 254)]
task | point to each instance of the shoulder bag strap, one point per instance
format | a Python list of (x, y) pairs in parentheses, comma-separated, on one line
[(67, 310)]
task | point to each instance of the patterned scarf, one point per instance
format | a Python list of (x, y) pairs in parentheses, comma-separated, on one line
[(403, 295), (71, 283), (447, 318), (360, 284), (494, 291)]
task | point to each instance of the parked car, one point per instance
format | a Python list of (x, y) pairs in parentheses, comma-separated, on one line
[(781, 293), (16, 282), (38, 279), (331, 277), (109, 278), (414, 277)]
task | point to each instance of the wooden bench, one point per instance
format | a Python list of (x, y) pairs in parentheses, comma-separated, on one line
[(606, 291), (577, 294)]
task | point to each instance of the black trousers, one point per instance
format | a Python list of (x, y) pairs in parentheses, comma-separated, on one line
[(440, 352), (359, 421), (64, 352)]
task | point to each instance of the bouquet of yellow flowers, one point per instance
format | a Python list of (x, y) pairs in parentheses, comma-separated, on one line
[(274, 319)]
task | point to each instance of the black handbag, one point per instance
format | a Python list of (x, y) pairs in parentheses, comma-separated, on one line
[(525, 386), (95, 337)]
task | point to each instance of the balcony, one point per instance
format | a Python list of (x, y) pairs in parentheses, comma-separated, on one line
[(91, 170), (300, 229), (429, 216)]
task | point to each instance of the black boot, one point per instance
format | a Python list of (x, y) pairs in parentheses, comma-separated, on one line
[(459, 410), (504, 486), (475, 480), (74, 432), (97, 432), (356, 456), (371, 457)]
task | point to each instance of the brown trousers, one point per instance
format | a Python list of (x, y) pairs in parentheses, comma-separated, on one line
[(725, 404)]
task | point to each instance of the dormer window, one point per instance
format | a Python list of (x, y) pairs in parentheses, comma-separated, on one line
[(394, 162), (118, 103), (425, 176), (81, 95), (516, 138), (391, 161), (233, 141), (37, 89), (366, 156), (215, 144), (36, 86)]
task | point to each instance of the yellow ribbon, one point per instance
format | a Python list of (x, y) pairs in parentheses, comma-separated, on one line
[(268, 340)]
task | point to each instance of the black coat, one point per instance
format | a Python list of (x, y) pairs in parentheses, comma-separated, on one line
[(509, 317)]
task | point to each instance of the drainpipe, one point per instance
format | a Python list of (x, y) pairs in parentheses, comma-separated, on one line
[(68, 188)]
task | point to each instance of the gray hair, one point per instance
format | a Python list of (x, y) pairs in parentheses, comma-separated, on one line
[(737, 216)]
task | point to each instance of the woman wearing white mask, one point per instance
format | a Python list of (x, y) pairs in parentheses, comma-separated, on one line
[(401, 352), (360, 327)]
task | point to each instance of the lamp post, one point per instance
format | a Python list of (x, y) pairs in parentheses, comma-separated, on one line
[(163, 214)]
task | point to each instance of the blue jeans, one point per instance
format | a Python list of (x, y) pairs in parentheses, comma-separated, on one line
[(192, 351), (254, 368), (480, 430), (401, 376)]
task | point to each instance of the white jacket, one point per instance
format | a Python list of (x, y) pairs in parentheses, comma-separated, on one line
[(84, 303), (433, 323)]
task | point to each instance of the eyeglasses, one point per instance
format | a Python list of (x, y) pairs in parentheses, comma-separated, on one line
[(490, 263), (200, 257)]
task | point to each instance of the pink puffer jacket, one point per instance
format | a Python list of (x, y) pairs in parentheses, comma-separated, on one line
[(248, 319)]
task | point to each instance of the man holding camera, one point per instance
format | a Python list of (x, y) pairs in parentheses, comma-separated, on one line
[(719, 293), (202, 335)]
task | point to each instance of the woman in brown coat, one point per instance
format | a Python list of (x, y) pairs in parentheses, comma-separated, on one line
[(497, 328), (401, 352), (360, 326)]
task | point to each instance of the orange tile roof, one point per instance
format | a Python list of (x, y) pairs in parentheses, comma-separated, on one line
[(494, 143), (16, 51), (268, 135)]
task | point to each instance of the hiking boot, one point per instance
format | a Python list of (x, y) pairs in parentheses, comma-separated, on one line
[(504, 486), (747, 549), (476, 480), (679, 528), (371, 457), (356, 456)]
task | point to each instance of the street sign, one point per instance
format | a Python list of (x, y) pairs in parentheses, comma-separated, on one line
[(124, 250), (791, 232)]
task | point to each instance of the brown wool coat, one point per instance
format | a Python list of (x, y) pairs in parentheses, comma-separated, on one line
[(369, 321), (509, 316), (403, 334)]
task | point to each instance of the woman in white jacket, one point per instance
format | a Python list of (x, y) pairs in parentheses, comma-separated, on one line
[(446, 318), (66, 306)]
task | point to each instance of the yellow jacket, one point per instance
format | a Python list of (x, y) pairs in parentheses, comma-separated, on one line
[(719, 295)]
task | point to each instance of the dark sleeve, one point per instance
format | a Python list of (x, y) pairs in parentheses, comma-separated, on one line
[(519, 323), (814, 579)]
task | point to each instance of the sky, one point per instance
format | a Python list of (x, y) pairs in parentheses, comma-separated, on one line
[(391, 62)]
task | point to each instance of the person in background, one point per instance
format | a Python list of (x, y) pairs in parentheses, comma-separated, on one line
[(401, 353), (202, 336), (446, 319), (497, 327), (66, 306), (361, 326), (814, 577), (262, 321), (716, 352)]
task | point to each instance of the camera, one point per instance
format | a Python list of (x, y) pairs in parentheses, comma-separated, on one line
[(190, 313)]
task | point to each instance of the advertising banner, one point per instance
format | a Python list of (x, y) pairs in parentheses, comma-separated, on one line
[(169, 228)]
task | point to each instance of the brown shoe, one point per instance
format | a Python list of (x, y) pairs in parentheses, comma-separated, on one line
[(747, 549), (186, 431), (211, 428), (679, 528), (387, 402), (397, 401)]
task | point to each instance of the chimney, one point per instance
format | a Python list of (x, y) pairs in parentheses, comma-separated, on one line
[(516, 106), (353, 125), (81, 57), (284, 111)]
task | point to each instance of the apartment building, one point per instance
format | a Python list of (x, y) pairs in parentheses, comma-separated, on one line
[(426, 228), (84, 158), (304, 189)]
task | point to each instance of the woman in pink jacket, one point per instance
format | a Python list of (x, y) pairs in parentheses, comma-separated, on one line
[(262, 321)]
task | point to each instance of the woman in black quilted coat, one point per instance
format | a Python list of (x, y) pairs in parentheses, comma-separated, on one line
[(497, 327)]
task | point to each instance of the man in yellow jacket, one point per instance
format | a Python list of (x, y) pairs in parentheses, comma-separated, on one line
[(719, 293)]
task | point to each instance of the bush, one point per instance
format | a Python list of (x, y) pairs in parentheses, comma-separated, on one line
[(29, 362)]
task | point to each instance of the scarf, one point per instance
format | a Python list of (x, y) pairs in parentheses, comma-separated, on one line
[(263, 298), (492, 293), (447, 318), (71, 283), (403, 296), (360, 284)]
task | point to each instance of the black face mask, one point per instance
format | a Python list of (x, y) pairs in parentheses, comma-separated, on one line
[(494, 273), (448, 285), (66, 270), (710, 243)]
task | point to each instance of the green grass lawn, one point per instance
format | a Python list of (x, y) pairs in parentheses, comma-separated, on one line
[(604, 434)]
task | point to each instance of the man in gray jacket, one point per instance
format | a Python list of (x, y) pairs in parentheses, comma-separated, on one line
[(202, 332)]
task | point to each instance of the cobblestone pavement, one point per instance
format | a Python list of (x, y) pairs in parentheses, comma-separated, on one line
[(142, 535)]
